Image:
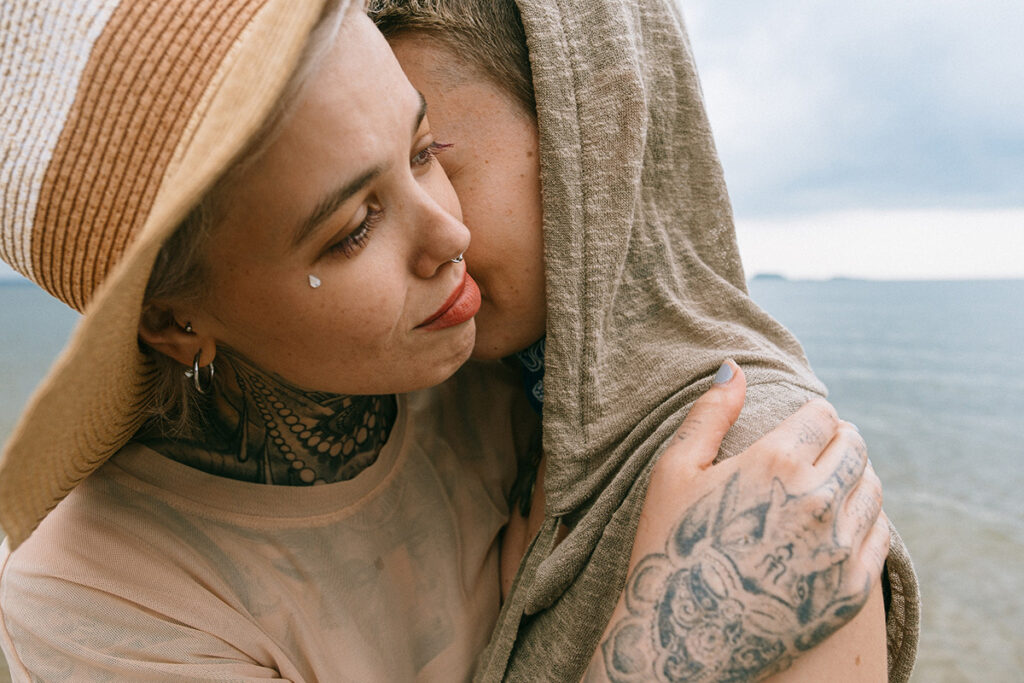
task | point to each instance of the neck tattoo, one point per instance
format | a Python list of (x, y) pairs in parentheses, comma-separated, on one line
[(258, 428)]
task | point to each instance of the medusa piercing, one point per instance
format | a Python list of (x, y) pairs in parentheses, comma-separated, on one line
[(314, 281), (457, 259)]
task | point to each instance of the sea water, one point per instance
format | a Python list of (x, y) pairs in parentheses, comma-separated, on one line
[(933, 375)]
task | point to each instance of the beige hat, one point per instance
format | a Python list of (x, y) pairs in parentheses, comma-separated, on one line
[(115, 116)]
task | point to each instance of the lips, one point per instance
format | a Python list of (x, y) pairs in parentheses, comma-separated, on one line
[(460, 307)]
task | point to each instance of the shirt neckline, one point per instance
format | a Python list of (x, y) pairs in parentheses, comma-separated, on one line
[(214, 496)]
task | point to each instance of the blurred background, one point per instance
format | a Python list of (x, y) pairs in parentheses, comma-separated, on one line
[(875, 157), (871, 139), (874, 153)]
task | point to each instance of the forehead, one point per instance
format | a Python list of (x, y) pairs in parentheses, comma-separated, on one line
[(441, 66), (464, 99), (356, 95), (354, 112)]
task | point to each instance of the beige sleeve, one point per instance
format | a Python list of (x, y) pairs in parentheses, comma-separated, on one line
[(71, 632)]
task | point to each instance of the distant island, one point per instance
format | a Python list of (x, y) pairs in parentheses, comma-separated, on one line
[(779, 277)]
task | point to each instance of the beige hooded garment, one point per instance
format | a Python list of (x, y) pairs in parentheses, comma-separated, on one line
[(646, 298)]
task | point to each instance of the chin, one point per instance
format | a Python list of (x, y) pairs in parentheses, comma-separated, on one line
[(488, 354), (487, 347), (495, 349), (443, 367), (491, 344)]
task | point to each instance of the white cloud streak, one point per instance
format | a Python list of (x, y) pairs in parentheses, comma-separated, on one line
[(886, 245)]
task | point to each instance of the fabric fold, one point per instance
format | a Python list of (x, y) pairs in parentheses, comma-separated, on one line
[(646, 298)]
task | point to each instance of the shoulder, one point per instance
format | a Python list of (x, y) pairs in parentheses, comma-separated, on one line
[(100, 586), (114, 542), (101, 535), (485, 385), (476, 406), (477, 421)]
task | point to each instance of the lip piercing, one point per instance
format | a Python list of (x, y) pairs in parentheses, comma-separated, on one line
[(457, 259), (314, 281)]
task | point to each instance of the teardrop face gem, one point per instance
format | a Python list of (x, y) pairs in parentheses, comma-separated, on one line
[(314, 281)]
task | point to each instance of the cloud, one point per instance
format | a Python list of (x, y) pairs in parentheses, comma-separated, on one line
[(828, 106), (886, 245)]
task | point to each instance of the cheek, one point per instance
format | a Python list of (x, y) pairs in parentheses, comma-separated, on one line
[(490, 213), (278, 314), (365, 310), (506, 253)]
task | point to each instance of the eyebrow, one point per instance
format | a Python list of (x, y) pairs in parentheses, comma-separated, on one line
[(333, 201)]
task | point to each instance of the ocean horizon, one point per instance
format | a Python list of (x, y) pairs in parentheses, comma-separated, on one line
[(932, 372)]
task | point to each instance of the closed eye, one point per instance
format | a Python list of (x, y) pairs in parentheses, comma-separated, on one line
[(356, 240), (429, 153)]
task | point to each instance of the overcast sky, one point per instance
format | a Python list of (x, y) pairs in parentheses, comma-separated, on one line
[(869, 138)]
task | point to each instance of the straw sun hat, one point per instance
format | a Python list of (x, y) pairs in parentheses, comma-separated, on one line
[(115, 116)]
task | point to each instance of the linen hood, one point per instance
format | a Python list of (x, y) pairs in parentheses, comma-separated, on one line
[(646, 298)]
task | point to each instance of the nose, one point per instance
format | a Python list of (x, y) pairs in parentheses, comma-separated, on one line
[(441, 236)]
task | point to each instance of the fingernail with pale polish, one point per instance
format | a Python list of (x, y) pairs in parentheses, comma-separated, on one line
[(724, 374)]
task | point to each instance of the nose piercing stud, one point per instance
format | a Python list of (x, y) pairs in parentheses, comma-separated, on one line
[(314, 281), (457, 259)]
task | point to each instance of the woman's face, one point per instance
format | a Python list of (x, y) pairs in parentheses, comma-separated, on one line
[(494, 166), (347, 197)]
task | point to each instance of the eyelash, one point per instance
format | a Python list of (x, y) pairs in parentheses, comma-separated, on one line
[(430, 152), (356, 239)]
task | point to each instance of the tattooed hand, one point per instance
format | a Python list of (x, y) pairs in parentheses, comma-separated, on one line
[(740, 567)]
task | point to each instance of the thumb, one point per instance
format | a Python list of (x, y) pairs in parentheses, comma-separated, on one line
[(697, 440)]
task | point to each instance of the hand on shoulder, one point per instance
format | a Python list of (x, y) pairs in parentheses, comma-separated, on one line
[(740, 567)]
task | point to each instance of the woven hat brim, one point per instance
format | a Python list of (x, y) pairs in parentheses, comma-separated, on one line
[(94, 397)]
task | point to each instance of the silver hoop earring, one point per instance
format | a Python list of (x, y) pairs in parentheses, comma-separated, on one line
[(193, 374), (457, 259)]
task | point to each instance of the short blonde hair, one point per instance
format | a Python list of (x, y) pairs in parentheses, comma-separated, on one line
[(486, 34)]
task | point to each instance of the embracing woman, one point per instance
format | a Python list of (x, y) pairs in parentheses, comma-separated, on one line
[(245, 464), (577, 142)]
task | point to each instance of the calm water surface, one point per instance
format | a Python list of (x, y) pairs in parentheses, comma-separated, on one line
[(932, 373)]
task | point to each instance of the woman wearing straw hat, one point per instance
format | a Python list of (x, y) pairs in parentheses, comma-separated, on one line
[(275, 150), (152, 569)]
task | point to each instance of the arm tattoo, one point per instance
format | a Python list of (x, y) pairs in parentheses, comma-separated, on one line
[(742, 588)]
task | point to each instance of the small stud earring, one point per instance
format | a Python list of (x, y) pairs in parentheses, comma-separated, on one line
[(314, 281)]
